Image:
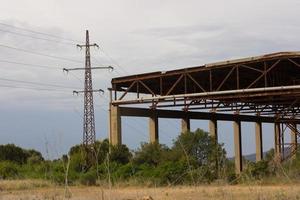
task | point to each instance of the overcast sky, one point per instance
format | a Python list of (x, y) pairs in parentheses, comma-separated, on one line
[(136, 36)]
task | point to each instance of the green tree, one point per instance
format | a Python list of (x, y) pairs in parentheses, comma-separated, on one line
[(151, 154), (10, 152), (120, 154), (198, 149)]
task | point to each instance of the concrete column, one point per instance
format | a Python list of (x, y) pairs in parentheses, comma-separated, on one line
[(258, 141), (294, 140), (153, 128), (213, 129), (238, 146), (185, 125), (115, 136), (277, 139)]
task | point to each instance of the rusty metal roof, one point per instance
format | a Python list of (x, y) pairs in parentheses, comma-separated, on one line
[(253, 59)]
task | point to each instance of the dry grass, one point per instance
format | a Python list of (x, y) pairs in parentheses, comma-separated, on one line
[(225, 192), (8, 185)]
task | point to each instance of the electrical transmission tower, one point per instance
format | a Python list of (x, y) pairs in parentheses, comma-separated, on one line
[(89, 134)]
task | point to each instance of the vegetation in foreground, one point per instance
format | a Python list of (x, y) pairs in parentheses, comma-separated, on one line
[(193, 159)]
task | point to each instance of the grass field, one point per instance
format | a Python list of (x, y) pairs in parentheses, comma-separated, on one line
[(32, 190)]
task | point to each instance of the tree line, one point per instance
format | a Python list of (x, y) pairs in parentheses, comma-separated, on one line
[(194, 158)]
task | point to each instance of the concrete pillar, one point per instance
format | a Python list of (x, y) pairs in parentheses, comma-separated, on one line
[(213, 129), (277, 138), (153, 128), (238, 146), (294, 141), (115, 136), (258, 141), (185, 125)]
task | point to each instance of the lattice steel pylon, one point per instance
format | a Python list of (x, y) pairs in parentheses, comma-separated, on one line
[(89, 134)]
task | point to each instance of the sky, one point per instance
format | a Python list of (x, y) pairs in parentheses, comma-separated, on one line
[(135, 36)]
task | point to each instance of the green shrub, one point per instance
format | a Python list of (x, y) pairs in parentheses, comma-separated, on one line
[(8, 170), (171, 172), (151, 154), (120, 154), (77, 163), (88, 178), (126, 171), (256, 170)]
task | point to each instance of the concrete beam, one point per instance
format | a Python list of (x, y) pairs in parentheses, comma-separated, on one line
[(277, 138), (153, 128), (238, 146), (258, 141), (115, 135), (177, 114), (185, 125), (213, 129)]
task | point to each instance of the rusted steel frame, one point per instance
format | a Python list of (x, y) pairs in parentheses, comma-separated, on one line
[(192, 70), (161, 85), (252, 95), (266, 106), (294, 62), (237, 77), (252, 68), (169, 73), (175, 84), (147, 88), (212, 105), (293, 128), (185, 84), (235, 97), (263, 74), (127, 90), (142, 112), (225, 79), (210, 80), (190, 103), (137, 89), (277, 101), (115, 91), (155, 104), (289, 107), (221, 109), (230, 94), (281, 136), (196, 82)]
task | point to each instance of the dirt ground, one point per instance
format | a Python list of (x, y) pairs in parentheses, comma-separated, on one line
[(162, 193)]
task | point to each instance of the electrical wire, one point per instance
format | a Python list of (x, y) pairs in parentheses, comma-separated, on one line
[(38, 38), (37, 32), (114, 61), (36, 83), (40, 54), (50, 40), (30, 65), (32, 88)]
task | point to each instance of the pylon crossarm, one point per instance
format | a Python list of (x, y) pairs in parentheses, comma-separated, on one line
[(83, 68), (82, 91)]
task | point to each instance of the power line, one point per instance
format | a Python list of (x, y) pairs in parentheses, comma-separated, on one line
[(29, 64), (40, 54), (32, 88), (38, 38), (114, 61), (37, 32), (58, 37), (36, 83), (38, 66)]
